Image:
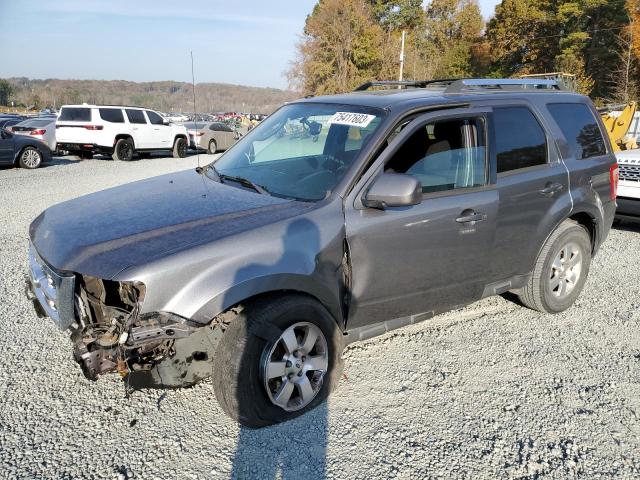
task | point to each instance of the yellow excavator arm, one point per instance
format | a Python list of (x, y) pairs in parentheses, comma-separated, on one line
[(617, 127)]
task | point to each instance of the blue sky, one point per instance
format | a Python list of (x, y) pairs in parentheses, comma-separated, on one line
[(248, 42)]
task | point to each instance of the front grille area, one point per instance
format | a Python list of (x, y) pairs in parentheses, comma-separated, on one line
[(53, 291), (630, 173)]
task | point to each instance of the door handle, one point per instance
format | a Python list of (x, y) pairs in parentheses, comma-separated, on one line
[(470, 216), (551, 189)]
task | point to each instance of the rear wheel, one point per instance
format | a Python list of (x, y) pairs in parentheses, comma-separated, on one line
[(179, 148), (123, 150), (561, 270), (30, 158), (278, 359), (213, 147)]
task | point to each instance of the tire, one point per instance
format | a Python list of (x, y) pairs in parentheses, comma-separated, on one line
[(568, 248), (123, 150), (30, 158), (253, 338), (179, 148), (213, 147)]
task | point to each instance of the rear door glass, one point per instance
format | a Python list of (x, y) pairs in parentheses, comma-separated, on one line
[(112, 115), (75, 114), (135, 116), (520, 139), (580, 128)]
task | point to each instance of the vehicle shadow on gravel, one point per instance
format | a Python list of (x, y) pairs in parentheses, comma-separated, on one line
[(295, 449), (627, 225)]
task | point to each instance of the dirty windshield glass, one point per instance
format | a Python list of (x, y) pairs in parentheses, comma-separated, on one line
[(303, 150)]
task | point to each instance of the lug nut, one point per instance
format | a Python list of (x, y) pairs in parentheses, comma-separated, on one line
[(296, 354), (288, 364), (304, 359), (290, 376), (300, 373)]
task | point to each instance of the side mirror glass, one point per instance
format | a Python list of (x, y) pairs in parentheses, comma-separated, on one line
[(394, 190)]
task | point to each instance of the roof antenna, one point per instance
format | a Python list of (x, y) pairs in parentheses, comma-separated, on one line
[(195, 115)]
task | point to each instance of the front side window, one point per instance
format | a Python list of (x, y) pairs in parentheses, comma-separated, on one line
[(75, 114), (580, 127), (444, 155), (520, 140), (154, 118), (112, 115), (303, 150), (135, 116)]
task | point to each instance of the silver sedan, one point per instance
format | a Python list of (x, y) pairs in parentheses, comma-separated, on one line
[(211, 136)]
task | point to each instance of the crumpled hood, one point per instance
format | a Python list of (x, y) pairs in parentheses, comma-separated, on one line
[(105, 232)]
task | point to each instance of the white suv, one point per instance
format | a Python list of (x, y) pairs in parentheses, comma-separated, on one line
[(118, 131), (629, 186)]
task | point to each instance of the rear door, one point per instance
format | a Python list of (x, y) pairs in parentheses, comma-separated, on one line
[(533, 184), (6, 148), (432, 256), (141, 130)]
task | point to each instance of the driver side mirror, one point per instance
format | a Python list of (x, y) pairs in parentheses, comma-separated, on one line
[(166, 122), (394, 190)]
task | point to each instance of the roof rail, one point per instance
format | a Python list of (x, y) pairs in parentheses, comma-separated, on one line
[(508, 84), (405, 83)]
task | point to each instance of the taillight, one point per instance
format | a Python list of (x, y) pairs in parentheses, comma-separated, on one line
[(37, 132), (93, 127), (195, 133), (614, 178)]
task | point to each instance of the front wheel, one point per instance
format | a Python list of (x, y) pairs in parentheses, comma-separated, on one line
[(180, 148), (30, 158), (561, 270), (278, 359)]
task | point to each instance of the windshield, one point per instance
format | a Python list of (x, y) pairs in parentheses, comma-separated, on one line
[(303, 150)]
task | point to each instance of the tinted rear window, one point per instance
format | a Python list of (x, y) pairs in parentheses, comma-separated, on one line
[(136, 116), (520, 140), (113, 115), (193, 126), (75, 114), (580, 127)]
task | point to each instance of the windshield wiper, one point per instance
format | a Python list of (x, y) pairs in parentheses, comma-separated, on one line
[(245, 182)]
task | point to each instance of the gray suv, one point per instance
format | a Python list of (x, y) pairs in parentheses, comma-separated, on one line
[(337, 219)]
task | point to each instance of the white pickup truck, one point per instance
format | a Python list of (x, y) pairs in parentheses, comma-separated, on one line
[(117, 131), (629, 185)]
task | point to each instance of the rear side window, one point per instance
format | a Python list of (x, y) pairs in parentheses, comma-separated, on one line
[(216, 127), (135, 116), (520, 140), (113, 115), (580, 128), (75, 114), (154, 118)]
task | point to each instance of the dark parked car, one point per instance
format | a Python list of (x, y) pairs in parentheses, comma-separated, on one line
[(337, 219), (23, 151)]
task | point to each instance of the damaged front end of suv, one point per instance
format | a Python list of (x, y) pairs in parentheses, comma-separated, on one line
[(110, 334)]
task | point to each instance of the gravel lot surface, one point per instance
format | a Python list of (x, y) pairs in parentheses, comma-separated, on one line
[(492, 390)]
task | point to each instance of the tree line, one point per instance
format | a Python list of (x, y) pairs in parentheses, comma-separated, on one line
[(164, 96), (348, 42)]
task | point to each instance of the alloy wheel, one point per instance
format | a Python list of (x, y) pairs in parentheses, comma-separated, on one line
[(31, 158), (294, 368), (565, 270)]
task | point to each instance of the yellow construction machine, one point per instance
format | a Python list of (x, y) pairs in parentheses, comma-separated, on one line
[(618, 125)]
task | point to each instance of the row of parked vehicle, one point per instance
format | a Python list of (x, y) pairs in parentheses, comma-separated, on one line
[(120, 132)]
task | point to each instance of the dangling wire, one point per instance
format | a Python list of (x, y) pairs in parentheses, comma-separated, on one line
[(195, 114)]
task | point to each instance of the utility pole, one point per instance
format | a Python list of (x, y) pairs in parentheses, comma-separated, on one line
[(401, 58)]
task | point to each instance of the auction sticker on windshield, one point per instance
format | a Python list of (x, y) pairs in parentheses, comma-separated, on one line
[(361, 120)]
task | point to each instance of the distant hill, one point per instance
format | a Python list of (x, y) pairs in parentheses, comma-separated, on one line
[(164, 96)]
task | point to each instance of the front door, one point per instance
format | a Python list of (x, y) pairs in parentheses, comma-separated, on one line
[(435, 255), (159, 133)]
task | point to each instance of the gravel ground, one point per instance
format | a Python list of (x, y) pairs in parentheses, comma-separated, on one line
[(492, 390)]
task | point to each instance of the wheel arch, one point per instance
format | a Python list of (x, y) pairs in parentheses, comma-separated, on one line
[(273, 285), (17, 156), (124, 135)]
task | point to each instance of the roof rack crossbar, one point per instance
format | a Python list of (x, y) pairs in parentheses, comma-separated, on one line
[(404, 83), (502, 84)]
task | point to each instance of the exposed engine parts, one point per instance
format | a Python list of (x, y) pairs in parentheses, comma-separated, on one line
[(150, 350)]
